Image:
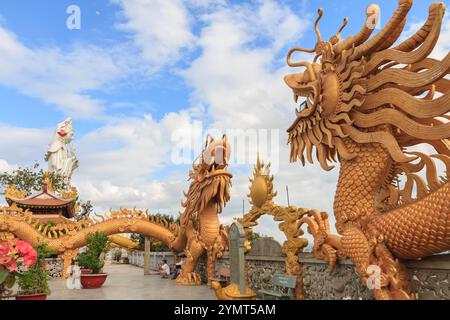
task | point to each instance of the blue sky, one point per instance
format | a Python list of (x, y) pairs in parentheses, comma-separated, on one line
[(43, 24), (139, 70)]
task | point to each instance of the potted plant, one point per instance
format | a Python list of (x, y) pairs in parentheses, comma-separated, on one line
[(13, 256), (33, 283), (97, 245), (85, 271)]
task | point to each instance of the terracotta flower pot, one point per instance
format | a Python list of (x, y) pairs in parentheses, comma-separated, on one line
[(92, 281), (86, 271), (37, 296)]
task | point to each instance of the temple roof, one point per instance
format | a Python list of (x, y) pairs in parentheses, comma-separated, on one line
[(44, 200)]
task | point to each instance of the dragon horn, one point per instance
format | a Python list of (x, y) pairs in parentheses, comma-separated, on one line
[(316, 25), (338, 35), (308, 65)]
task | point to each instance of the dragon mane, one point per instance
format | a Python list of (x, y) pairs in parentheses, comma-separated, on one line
[(369, 91), (209, 180)]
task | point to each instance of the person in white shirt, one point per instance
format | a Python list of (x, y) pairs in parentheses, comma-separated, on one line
[(164, 271)]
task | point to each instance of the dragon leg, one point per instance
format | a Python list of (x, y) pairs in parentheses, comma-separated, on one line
[(215, 251), (188, 276), (378, 269), (327, 246), (211, 265), (395, 279), (67, 257)]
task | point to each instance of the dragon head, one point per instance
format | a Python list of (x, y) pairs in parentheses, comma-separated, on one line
[(210, 180), (363, 90)]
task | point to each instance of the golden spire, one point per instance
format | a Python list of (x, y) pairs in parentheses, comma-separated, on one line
[(261, 184), (48, 182)]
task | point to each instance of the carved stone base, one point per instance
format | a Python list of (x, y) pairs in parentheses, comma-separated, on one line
[(232, 292)]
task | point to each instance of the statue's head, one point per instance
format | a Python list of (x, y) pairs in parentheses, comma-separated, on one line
[(64, 131), (357, 90), (210, 179)]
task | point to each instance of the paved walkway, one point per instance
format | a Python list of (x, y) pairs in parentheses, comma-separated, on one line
[(127, 282)]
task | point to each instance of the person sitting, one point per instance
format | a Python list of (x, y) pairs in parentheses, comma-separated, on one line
[(177, 269), (164, 270)]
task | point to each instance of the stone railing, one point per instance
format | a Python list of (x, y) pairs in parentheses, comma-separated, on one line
[(136, 258), (430, 276)]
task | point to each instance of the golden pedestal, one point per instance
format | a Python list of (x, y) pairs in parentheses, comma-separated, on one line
[(232, 292)]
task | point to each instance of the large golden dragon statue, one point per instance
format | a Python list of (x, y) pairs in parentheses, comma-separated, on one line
[(366, 101), (198, 231)]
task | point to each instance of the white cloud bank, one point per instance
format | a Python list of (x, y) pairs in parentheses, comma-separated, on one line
[(160, 28), (56, 76)]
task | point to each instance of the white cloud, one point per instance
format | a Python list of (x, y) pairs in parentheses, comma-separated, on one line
[(442, 46), (236, 79), (204, 3), (5, 166), (160, 28), (129, 150), (59, 77), (155, 195), (23, 145)]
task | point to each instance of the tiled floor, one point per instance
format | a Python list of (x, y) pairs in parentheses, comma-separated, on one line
[(126, 282)]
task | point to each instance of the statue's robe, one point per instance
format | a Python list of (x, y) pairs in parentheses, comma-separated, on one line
[(58, 158)]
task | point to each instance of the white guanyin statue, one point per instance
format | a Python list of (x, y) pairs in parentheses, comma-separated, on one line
[(60, 156), (73, 281)]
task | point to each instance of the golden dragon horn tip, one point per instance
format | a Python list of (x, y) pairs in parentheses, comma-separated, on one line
[(316, 24), (344, 23)]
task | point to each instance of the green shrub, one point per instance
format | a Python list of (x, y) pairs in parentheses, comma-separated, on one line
[(89, 260), (97, 243), (35, 280)]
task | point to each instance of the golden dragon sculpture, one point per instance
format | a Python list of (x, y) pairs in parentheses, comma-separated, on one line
[(66, 238), (366, 101), (199, 229)]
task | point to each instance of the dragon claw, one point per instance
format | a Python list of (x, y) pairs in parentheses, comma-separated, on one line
[(189, 279)]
